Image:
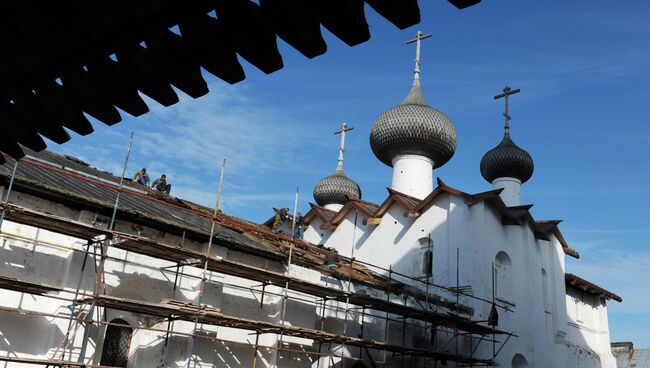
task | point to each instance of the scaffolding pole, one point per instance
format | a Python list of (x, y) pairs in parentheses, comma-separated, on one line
[(285, 294), (280, 331), (104, 249), (9, 188), (208, 253)]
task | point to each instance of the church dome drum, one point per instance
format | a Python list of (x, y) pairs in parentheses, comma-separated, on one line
[(413, 128), (507, 160), (336, 189)]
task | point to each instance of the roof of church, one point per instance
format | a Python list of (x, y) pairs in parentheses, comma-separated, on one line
[(365, 208), (336, 188), (589, 287), (324, 214), (507, 160), (515, 215), (629, 357), (75, 184), (404, 200), (68, 58)]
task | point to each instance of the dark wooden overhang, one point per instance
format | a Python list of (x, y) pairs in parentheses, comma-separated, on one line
[(365, 208), (325, 215), (64, 59), (589, 287)]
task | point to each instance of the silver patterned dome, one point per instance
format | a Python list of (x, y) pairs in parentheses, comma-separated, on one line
[(336, 189), (507, 160), (413, 127)]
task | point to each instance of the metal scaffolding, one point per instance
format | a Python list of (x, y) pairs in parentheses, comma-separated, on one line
[(84, 306)]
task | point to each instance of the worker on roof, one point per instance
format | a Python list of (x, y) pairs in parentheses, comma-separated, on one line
[(300, 222), (280, 216), (141, 177), (161, 185)]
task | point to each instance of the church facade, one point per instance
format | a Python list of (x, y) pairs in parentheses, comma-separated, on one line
[(100, 273), (486, 244)]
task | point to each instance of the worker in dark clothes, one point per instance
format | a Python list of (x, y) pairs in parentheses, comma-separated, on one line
[(300, 222), (141, 177), (161, 185)]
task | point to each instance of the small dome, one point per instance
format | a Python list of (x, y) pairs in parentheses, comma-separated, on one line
[(336, 189), (507, 160), (413, 127)]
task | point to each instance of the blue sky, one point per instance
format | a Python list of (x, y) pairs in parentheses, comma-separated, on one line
[(583, 113)]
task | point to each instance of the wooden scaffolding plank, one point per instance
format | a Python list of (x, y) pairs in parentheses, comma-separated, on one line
[(185, 311), (10, 283), (149, 247), (61, 225), (207, 315), (45, 362), (158, 250)]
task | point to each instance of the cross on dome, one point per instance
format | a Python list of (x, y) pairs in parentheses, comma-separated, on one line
[(507, 92), (344, 128), (335, 190), (418, 38)]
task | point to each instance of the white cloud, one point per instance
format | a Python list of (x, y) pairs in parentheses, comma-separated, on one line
[(188, 142)]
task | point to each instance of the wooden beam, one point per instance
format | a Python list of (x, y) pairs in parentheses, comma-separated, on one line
[(372, 221)]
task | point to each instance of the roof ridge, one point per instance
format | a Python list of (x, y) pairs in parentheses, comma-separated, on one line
[(393, 191)]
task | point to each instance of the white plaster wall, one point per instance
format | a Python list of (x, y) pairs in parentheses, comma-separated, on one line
[(546, 338), (511, 193), (312, 232), (39, 256), (413, 175)]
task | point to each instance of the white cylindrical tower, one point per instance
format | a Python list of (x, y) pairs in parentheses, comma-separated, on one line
[(413, 138), (412, 175), (510, 190)]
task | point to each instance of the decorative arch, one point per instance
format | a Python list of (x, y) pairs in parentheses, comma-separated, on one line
[(519, 361), (503, 276), (117, 343)]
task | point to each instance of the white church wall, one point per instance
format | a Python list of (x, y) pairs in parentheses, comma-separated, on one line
[(50, 259), (533, 288), (314, 234), (343, 237), (542, 316)]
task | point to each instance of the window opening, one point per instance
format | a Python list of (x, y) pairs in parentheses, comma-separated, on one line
[(117, 342)]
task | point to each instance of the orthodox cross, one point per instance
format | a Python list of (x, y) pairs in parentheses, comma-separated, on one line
[(344, 128), (507, 91), (419, 37)]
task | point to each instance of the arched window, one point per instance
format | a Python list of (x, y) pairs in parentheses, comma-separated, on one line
[(518, 361), (426, 254), (547, 292), (503, 276), (117, 342)]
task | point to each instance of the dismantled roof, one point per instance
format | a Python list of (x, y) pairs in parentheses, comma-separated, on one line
[(516, 215), (64, 59), (75, 184)]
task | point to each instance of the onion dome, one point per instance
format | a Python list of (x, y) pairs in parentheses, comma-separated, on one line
[(507, 160), (413, 128), (336, 189)]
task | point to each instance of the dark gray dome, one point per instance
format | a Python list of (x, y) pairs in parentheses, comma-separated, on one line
[(507, 160), (413, 127), (336, 189)]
